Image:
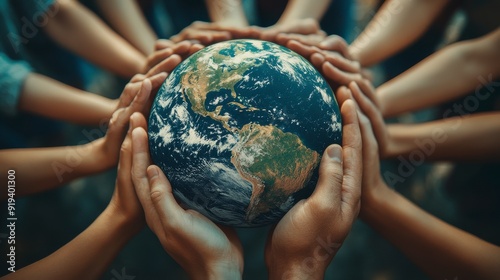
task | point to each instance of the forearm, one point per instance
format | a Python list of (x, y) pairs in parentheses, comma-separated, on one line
[(50, 98), (77, 29), (396, 25), (470, 138), (41, 169), (88, 255), (448, 74), (439, 249), (128, 19), (227, 12), (299, 9)]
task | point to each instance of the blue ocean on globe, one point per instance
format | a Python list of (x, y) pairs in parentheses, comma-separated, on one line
[(239, 129)]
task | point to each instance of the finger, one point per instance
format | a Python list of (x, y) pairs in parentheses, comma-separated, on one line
[(352, 164), (300, 48), (157, 80), (137, 78), (369, 91), (140, 163), (159, 56), (137, 120), (121, 117), (195, 47), (371, 111), (219, 36), (123, 177), (338, 76), (161, 44), (140, 100), (329, 187), (342, 95), (162, 197), (166, 65), (128, 94), (317, 60), (337, 44), (342, 63)]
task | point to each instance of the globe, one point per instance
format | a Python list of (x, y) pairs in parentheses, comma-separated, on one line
[(239, 129)]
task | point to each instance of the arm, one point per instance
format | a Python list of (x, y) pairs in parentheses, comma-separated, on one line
[(441, 250), (85, 257), (448, 74), (79, 30), (46, 97), (227, 12), (396, 25), (301, 9), (127, 18), (47, 168), (475, 137), (90, 253)]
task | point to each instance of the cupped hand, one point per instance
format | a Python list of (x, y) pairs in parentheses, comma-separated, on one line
[(372, 181), (124, 201), (203, 249), (307, 238)]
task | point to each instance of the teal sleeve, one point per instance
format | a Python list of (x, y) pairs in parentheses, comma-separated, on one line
[(12, 77)]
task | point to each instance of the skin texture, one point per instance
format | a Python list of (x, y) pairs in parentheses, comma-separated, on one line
[(229, 22), (441, 250), (398, 22), (44, 96), (48, 168), (304, 242), (203, 249), (127, 18), (95, 42), (122, 219), (461, 67)]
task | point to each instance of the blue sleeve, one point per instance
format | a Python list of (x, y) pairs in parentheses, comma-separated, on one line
[(35, 8), (12, 77)]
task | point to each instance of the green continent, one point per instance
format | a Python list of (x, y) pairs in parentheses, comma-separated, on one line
[(212, 71), (277, 164)]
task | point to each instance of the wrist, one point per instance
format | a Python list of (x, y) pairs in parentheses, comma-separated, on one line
[(218, 270), (127, 226), (308, 266), (371, 201)]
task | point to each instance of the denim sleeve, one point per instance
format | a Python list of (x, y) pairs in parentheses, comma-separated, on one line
[(12, 77)]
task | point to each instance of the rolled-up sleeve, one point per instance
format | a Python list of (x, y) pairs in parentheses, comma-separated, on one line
[(12, 77)]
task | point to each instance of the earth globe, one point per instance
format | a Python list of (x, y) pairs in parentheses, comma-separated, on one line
[(239, 129)]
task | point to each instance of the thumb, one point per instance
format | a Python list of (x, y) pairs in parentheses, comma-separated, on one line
[(162, 197), (329, 186)]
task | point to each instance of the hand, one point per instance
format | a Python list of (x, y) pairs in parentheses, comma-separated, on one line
[(205, 32), (134, 98), (158, 61), (307, 238), (203, 249), (364, 94), (124, 202), (330, 57), (372, 181), (308, 26)]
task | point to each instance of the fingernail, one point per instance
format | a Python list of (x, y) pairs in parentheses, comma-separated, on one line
[(334, 152), (152, 172)]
